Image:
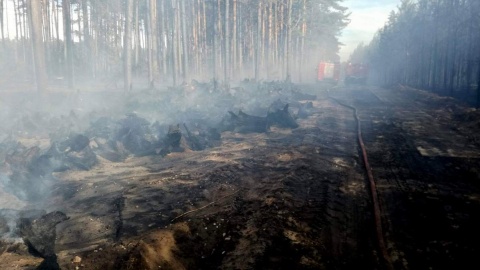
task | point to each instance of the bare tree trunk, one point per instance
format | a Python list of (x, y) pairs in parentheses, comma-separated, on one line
[(174, 43), (234, 38), (6, 16), (263, 43), (270, 39), (47, 34), (219, 36), (87, 39), (194, 13), (68, 41), (1, 21), (24, 35), (214, 46), (241, 38), (184, 43), (164, 37), (136, 26), (283, 40), (127, 47), (17, 20), (35, 15), (302, 47), (226, 62), (469, 67), (289, 38), (204, 36), (94, 28), (151, 37), (275, 36), (57, 23), (178, 32), (258, 41)]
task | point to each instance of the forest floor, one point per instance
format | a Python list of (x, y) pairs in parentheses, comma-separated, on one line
[(287, 199)]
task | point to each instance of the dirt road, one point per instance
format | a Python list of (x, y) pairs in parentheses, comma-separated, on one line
[(286, 199)]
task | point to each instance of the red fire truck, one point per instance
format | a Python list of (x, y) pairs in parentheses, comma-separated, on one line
[(328, 72), (356, 73)]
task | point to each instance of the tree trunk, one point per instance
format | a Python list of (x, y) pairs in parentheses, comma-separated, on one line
[(127, 47), (226, 57), (302, 47), (164, 37), (79, 21), (204, 36), (184, 43), (7, 24), (174, 43), (469, 67), (136, 26), (47, 35), (57, 23), (289, 38), (214, 46), (17, 20), (283, 39), (197, 39), (151, 39), (258, 41), (241, 37), (178, 34), (275, 37), (35, 15), (1, 21), (25, 35), (87, 39), (68, 41), (270, 40), (234, 38), (264, 51)]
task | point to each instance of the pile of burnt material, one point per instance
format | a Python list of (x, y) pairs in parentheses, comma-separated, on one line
[(192, 128), (305, 110), (37, 230), (134, 135), (277, 115), (9, 219), (28, 170)]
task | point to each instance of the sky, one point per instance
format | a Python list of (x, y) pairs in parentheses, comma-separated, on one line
[(366, 18)]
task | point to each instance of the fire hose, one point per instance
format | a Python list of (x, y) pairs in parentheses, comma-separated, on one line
[(373, 189)]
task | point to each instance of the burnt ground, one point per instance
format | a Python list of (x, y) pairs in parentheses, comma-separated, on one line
[(286, 199)]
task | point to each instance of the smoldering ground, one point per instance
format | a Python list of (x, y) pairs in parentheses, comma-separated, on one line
[(43, 134)]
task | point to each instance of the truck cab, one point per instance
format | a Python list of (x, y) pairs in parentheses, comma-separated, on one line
[(356, 73), (328, 72)]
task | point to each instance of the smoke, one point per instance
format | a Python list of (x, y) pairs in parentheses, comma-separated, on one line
[(9, 207), (33, 123), (7, 200)]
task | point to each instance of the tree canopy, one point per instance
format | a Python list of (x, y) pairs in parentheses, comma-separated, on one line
[(169, 41), (430, 44)]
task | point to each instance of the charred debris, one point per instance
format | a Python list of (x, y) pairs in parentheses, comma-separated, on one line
[(191, 117), (188, 118)]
